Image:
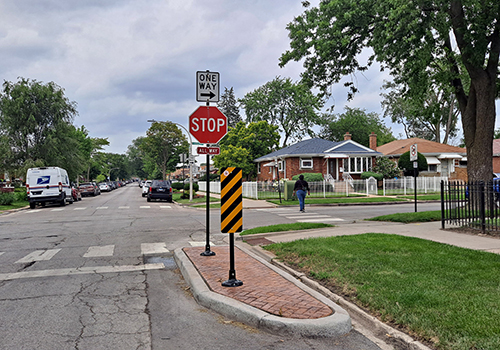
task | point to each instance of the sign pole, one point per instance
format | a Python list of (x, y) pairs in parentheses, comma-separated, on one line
[(414, 159), (207, 251)]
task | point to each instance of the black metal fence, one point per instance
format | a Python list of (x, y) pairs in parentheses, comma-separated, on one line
[(474, 205)]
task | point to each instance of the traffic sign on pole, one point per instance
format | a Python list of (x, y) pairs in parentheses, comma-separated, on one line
[(213, 151), (413, 152), (208, 124), (207, 86)]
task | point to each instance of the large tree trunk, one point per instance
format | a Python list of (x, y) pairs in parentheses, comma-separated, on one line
[(478, 120)]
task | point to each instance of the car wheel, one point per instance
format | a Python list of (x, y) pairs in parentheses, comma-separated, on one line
[(149, 199), (143, 195), (32, 205), (63, 202)]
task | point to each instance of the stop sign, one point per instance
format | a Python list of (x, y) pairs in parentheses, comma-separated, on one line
[(208, 124)]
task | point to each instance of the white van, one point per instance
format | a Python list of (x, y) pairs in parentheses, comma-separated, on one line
[(48, 184)]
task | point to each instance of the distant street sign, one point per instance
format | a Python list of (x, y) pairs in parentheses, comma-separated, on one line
[(208, 124), (209, 150), (207, 86), (413, 152)]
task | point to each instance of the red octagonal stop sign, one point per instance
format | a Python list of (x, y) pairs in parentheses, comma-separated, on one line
[(208, 124)]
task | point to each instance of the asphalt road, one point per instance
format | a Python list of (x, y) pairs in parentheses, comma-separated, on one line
[(99, 274)]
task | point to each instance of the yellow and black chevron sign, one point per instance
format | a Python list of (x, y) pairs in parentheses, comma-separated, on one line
[(231, 200)]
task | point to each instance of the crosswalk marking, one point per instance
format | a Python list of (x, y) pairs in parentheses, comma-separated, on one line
[(83, 208), (153, 248), (200, 244), (320, 220), (123, 207), (80, 271), (301, 216), (165, 206), (145, 207), (101, 208), (57, 209), (39, 255), (96, 251), (1, 253)]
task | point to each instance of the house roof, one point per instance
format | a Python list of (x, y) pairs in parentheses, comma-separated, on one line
[(317, 147), (426, 147)]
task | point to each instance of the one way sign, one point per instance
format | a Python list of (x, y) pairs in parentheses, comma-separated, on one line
[(207, 86)]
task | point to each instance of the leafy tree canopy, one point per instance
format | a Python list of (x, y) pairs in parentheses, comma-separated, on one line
[(419, 42), (359, 124), (281, 102)]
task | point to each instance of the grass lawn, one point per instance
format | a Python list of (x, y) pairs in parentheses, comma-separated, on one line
[(14, 205), (312, 200), (424, 216), (424, 197), (438, 293), (284, 227), (176, 196)]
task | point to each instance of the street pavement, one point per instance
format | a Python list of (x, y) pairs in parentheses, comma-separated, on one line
[(279, 300)]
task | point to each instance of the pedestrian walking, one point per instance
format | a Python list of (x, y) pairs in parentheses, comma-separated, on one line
[(300, 188)]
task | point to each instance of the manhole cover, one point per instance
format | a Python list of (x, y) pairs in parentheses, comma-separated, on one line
[(169, 263)]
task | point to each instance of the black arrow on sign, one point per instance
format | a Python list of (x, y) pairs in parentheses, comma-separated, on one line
[(210, 95)]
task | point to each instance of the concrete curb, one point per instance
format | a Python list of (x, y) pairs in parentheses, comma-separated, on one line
[(337, 324), (377, 327)]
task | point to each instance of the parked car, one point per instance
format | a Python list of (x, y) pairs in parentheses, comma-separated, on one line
[(145, 187), (75, 193), (88, 189), (104, 186), (160, 189)]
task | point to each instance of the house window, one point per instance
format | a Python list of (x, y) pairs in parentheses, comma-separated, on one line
[(258, 168), (280, 165), (432, 168), (306, 163), (357, 164)]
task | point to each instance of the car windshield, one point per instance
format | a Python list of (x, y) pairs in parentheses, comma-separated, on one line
[(161, 183)]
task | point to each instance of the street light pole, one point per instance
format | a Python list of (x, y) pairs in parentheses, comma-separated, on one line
[(190, 158)]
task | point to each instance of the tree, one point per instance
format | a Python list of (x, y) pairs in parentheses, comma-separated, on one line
[(35, 121), (387, 168), (359, 124), (163, 145), (426, 116), (460, 39), (88, 146), (228, 107), (406, 165), (256, 139), (291, 106)]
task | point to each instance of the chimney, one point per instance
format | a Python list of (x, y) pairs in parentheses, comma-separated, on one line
[(347, 136), (373, 141)]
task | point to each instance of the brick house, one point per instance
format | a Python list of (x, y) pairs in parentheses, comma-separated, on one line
[(442, 159), (318, 156), (496, 156)]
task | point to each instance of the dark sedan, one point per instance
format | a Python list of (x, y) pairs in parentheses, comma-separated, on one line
[(160, 189)]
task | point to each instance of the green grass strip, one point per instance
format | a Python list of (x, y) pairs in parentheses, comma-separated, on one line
[(424, 216), (439, 293), (14, 205), (285, 227)]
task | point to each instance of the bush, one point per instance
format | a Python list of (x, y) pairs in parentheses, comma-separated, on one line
[(310, 177), (368, 174), (6, 198), (387, 168), (177, 186), (196, 187), (20, 195), (407, 165)]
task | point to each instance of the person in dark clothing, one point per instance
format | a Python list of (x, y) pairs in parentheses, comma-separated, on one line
[(300, 188)]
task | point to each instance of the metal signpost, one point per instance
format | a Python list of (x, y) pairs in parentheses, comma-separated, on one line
[(414, 159), (208, 125)]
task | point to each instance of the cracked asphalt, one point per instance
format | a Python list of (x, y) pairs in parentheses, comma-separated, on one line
[(70, 301)]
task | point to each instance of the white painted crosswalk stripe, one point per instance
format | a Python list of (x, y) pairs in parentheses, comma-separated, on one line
[(123, 207), (200, 244), (57, 209), (101, 208), (302, 216), (39, 255), (145, 207), (320, 220), (165, 206), (80, 271), (83, 208), (153, 248), (97, 251)]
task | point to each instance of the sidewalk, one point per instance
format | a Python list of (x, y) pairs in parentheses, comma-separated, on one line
[(272, 298)]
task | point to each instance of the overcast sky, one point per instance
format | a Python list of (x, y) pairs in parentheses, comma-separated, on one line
[(127, 61)]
